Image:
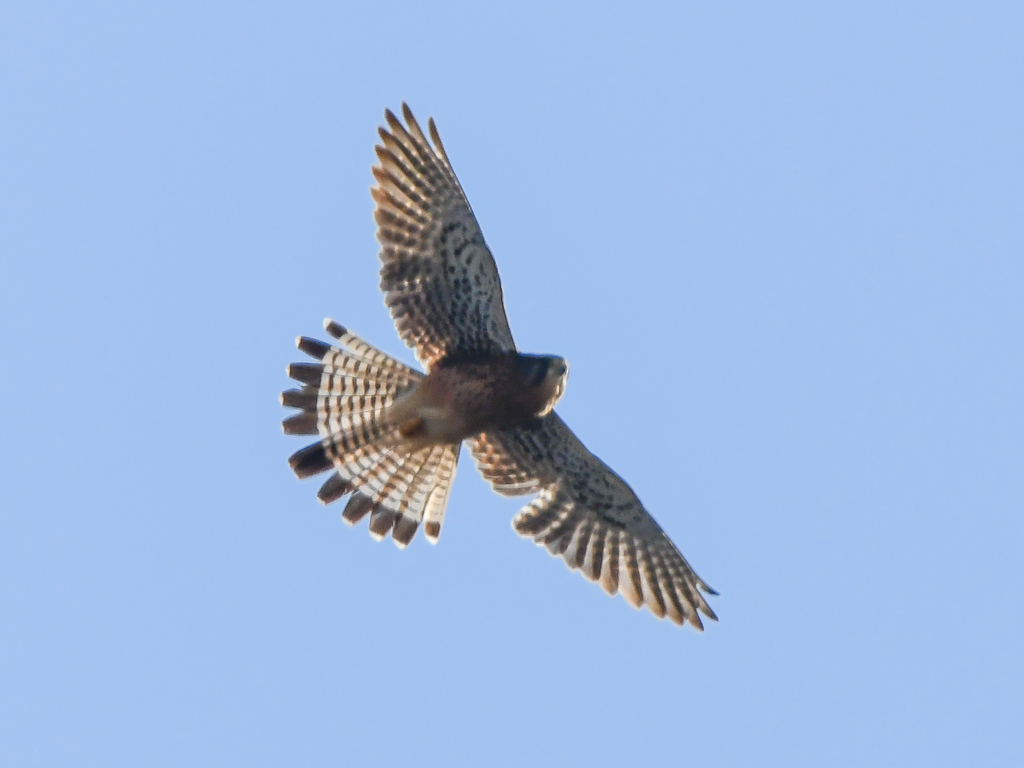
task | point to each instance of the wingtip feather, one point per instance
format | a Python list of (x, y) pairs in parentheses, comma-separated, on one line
[(407, 114)]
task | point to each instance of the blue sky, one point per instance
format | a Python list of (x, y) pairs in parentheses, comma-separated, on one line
[(782, 248)]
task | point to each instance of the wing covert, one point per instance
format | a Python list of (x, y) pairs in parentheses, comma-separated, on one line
[(589, 516), (438, 276)]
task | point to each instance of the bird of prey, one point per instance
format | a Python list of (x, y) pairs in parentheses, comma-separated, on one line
[(391, 435)]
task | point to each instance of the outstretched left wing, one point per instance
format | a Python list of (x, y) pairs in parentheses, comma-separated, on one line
[(589, 515)]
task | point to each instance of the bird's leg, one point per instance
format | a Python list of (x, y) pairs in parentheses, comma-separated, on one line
[(411, 426)]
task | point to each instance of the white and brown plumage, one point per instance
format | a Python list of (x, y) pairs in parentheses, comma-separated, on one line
[(392, 434)]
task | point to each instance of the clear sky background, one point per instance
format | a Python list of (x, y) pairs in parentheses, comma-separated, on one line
[(782, 247)]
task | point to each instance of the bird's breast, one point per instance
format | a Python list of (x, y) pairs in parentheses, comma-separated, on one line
[(460, 400)]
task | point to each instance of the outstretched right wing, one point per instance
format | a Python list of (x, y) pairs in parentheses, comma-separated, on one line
[(438, 276)]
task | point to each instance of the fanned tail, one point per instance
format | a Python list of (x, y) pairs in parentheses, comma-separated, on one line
[(344, 400)]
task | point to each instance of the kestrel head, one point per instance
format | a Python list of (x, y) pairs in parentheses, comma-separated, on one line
[(547, 375)]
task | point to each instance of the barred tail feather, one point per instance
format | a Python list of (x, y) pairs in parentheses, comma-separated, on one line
[(437, 499), (344, 399)]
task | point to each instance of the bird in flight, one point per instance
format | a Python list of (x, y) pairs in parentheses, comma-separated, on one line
[(391, 435)]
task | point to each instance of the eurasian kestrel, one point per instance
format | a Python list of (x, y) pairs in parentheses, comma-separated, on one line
[(392, 434)]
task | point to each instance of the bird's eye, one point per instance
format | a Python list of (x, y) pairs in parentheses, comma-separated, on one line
[(534, 369)]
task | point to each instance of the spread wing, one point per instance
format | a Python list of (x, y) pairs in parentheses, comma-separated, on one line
[(589, 515), (438, 276)]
